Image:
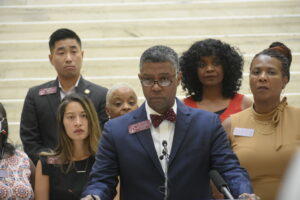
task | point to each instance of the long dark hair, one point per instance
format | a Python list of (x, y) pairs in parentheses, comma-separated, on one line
[(5, 147), (64, 149)]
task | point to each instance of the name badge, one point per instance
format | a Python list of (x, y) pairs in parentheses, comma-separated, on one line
[(134, 128), (46, 91), (3, 173), (246, 132)]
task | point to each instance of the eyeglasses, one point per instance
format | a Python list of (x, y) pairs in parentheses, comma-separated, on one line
[(163, 82)]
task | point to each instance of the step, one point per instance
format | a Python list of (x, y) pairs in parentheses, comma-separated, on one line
[(14, 97), (102, 69), (130, 47), (140, 11), (154, 28)]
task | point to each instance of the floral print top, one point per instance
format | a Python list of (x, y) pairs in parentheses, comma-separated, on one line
[(14, 177)]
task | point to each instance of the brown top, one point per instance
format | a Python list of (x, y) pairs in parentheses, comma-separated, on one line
[(267, 153)]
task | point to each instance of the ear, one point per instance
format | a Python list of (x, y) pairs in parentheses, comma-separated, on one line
[(107, 111), (82, 53), (179, 77), (140, 77), (50, 58)]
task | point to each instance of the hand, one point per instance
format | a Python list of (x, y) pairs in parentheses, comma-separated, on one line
[(91, 197), (246, 196)]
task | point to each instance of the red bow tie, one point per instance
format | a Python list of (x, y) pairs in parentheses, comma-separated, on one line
[(157, 119)]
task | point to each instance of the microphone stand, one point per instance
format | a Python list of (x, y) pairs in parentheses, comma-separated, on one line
[(220, 183), (165, 156), (226, 192)]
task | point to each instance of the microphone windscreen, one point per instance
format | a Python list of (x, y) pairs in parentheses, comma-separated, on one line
[(217, 179)]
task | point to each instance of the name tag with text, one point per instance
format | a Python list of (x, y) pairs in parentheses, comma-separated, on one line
[(246, 132)]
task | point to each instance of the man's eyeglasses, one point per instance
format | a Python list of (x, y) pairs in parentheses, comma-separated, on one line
[(163, 82)]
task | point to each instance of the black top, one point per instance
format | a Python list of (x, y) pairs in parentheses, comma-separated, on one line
[(220, 112), (67, 185)]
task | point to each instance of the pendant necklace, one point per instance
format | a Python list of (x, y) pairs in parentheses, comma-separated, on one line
[(85, 168)]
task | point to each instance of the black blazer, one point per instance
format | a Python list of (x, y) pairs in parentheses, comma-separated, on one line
[(38, 128)]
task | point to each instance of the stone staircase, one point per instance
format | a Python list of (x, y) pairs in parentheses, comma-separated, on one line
[(116, 32)]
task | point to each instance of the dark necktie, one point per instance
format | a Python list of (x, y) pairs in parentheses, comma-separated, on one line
[(157, 119)]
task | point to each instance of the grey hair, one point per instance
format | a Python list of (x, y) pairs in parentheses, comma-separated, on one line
[(114, 88), (160, 53)]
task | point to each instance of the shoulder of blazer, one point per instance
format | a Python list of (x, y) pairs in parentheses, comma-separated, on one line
[(34, 91), (48, 84), (93, 86)]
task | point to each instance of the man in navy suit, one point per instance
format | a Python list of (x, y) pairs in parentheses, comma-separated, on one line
[(164, 149)]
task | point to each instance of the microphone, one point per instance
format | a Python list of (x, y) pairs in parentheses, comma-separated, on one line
[(220, 183)]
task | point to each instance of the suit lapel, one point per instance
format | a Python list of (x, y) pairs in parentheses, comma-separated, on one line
[(54, 99), (146, 140), (182, 123), (82, 87)]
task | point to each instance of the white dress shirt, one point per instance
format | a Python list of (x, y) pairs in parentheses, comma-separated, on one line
[(165, 131), (70, 91)]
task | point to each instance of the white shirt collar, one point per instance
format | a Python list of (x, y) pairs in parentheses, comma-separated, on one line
[(71, 89)]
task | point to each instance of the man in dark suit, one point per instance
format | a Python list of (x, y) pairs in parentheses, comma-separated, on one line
[(38, 129), (136, 145)]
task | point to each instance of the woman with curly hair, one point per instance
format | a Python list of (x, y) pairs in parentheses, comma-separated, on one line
[(63, 173), (211, 74)]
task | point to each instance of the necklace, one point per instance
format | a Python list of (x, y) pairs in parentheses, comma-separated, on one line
[(84, 169)]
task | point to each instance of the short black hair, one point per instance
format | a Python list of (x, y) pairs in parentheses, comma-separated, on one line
[(62, 34), (231, 60), (282, 53)]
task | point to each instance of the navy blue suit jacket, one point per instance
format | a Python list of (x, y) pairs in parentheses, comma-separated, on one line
[(199, 145)]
